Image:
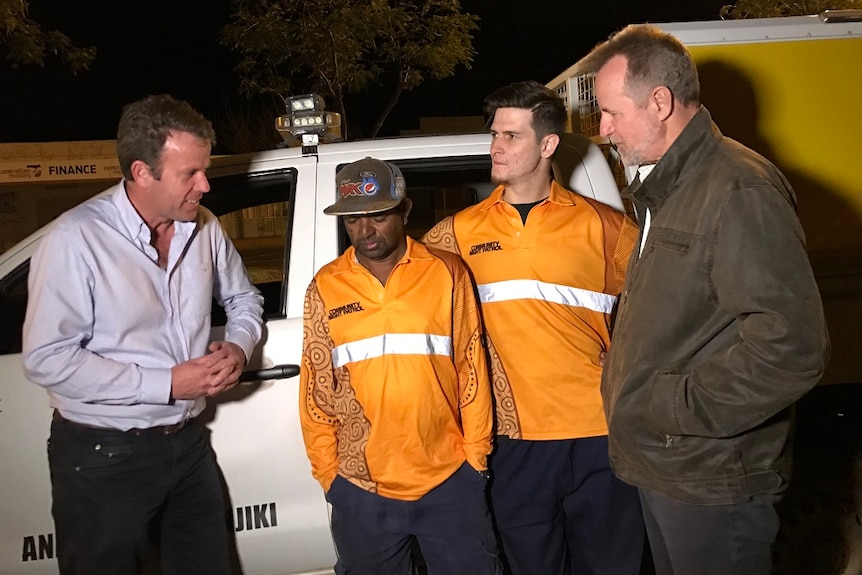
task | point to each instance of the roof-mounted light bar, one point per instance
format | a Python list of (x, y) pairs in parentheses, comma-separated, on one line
[(307, 118)]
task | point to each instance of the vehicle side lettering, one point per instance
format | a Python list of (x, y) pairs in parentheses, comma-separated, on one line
[(255, 517), (38, 547)]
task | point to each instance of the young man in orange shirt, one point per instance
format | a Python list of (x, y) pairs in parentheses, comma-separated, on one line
[(548, 264), (395, 401)]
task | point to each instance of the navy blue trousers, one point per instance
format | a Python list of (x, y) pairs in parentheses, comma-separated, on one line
[(560, 510), (373, 534), (688, 539), (117, 496)]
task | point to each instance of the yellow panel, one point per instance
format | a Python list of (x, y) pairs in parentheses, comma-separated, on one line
[(800, 105)]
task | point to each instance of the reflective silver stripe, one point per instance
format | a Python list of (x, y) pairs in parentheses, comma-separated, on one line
[(555, 293), (391, 344)]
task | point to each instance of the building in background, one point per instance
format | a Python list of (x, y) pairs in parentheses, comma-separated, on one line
[(39, 181)]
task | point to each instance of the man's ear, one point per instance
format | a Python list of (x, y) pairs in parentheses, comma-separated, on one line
[(141, 173), (407, 205), (549, 145), (663, 101)]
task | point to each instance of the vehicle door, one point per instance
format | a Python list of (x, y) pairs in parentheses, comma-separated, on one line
[(277, 511)]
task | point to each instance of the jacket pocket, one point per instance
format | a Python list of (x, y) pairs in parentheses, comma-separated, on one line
[(670, 240)]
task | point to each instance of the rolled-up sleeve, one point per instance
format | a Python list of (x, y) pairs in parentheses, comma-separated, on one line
[(242, 301)]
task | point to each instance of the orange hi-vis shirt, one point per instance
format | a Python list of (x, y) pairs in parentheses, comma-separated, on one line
[(394, 388), (547, 289)]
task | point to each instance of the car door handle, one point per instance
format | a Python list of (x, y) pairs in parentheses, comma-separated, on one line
[(275, 372)]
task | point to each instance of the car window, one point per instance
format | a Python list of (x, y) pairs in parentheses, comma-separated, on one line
[(256, 212), (13, 305), (438, 187)]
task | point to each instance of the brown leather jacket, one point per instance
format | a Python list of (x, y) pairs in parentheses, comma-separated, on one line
[(720, 327)]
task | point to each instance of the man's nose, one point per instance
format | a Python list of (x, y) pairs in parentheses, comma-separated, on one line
[(364, 227), (605, 126), (203, 184)]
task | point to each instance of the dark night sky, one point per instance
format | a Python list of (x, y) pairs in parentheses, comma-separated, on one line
[(171, 46)]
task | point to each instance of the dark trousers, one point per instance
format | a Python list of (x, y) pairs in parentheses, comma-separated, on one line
[(560, 510), (688, 539), (451, 524), (118, 494)]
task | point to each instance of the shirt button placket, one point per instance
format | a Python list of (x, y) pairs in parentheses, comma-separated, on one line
[(517, 226)]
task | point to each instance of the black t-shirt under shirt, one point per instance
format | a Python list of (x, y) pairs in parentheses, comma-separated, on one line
[(524, 209)]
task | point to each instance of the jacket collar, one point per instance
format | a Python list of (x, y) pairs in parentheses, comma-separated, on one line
[(696, 142)]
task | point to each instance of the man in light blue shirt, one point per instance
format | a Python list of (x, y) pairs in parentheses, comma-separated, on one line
[(117, 331)]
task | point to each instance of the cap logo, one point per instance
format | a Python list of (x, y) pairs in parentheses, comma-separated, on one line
[(349, 189), (368, 187)]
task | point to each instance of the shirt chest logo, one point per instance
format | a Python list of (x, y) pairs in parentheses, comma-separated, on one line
[(486, 247), (339, 311)]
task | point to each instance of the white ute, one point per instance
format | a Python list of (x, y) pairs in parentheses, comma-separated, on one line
[(272, 204)]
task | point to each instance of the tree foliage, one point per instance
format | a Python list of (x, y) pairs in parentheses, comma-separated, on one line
[(245, 123), (333, 47), (423, 38), (780, 8), (23, 41)]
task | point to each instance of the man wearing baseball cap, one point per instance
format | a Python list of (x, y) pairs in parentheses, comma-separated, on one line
[(395, 400)]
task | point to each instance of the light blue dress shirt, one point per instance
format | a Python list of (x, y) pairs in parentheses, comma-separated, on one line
[(105, 324)]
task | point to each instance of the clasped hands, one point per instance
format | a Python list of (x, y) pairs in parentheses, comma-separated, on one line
[(209, 374)]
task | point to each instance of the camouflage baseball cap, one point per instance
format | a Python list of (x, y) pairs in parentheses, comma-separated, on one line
[(367, 186)]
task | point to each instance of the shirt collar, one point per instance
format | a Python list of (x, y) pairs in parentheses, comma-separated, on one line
[(558, 195), (416, 251), (645, 170), (136, 226), (132, 220)]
